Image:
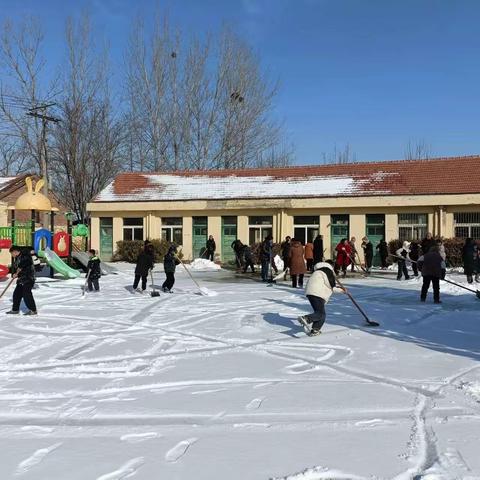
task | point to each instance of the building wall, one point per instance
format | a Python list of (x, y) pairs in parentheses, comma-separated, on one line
[(440, 210)]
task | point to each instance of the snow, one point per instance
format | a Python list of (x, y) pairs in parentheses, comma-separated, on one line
[(204, 187), (185, 386), (202, 265)]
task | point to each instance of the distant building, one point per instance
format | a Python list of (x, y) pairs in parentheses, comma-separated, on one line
[(401, 199)]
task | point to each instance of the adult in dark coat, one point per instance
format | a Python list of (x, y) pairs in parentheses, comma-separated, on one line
[(297, 263), (94, 272), (414, 256), (237, 247), (266, 257), (286, 254), (353, 252), (427, 243), (367, 253), (382, 248), (170, 262), (469, 257), (248, 259), (433, 267), (24, 271), (318, 249), (145, 262), (211, 247)]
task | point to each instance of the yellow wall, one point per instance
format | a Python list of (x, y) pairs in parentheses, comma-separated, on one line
[(439, 208)]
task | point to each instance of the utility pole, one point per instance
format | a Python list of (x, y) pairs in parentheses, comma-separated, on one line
[(34, 112)]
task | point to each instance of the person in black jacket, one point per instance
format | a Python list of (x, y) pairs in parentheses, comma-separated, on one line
[(368, 253), (286, 254), (248, 258), (427, 243), (433, 268), (318, 249), (170, 262), (469, 257), (93, 271), (382, 248), (145, 262), (211, 247), (237, 247), (24, 271), (415, 255)]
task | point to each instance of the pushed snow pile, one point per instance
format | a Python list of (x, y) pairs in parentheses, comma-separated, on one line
[(320, 473), (203, 265), (278, 262), (472, 389), (207, 292)]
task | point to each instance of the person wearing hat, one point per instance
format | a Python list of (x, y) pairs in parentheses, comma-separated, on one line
[(403, 254), (319, 289)]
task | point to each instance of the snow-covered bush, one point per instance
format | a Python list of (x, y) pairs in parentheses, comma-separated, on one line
[(128, 250)]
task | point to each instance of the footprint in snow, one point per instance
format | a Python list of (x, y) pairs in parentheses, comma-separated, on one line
[(125, 471), (255, 404), (35, 459), (179, 450)]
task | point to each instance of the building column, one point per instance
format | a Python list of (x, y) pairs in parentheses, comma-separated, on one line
[(325, 232), (214, 225), (357, 229), (187, 238), (95, 233), (391, 226), (431, 226), (449, 231), (242, 229), (117, 231)]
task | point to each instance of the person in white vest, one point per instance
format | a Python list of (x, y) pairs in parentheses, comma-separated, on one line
[(319, 289)]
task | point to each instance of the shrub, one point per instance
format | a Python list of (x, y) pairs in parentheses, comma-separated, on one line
[(257, 249), (129, 250), (393, 246)]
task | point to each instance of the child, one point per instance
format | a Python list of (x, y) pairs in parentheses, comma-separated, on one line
[(433, 268), (144, 265), (93, 271), (402, 257), (24, 271), (319, 290), (170, 262)]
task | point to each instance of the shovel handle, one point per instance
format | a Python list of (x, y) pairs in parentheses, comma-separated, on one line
[(7, 287), (359, 308)]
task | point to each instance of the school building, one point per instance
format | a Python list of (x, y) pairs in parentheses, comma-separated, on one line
[(400, 199)]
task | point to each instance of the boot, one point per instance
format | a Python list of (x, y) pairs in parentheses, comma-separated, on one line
[(13, 312), (31, 312)]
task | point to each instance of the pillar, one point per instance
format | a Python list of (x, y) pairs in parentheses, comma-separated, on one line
[(95, 233), (325, 232), (214, 225), (391, 226), (242, 229), (187, 247), (117, 223)]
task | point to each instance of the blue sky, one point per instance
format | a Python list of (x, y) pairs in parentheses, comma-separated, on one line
[(373, 73)]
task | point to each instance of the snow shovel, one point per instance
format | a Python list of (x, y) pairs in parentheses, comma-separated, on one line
[(153, 293), (200, 289), (370, 323), (84, 288), (7, 287)]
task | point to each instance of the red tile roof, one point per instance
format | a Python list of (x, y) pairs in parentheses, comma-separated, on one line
[(455, 175)]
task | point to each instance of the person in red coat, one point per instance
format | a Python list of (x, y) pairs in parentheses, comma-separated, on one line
[(344, 252)]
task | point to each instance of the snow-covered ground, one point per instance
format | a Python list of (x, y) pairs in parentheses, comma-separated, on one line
[(183, 386)]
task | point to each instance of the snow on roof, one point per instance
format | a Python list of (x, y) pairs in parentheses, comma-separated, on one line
[(422, 177)]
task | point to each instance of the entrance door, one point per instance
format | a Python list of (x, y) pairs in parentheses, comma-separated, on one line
[(199, 236), (106, 238), (339, 228), (375, 231), (229, 235)]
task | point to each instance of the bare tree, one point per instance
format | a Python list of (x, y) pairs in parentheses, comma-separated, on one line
[(89, 137), (199, 104), (417, 149), (12, 158), (23, 87), (340, 156)]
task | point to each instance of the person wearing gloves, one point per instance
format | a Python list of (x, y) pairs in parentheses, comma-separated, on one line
[(145, 262), (432, 266), (319, 289), (170, 262), (402, 257)]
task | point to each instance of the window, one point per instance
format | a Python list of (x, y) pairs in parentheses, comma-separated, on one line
[(133, 228), (172, 230), (306, 228), (412, 226), (467, 224), (259, 228)]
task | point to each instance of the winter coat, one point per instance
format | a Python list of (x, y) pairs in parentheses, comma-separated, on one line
[(414, 251), (443, 253), (286, 250), (297, 261), (23, 267), (353, 248), (427, 244), (322, 282), (211, 246), (170, 262), (144, 264), (404, 251), (469, 256), (237, 246), (344, 252), (382, 248), (431, 265), (318, 249), (93, 266), (247, 253), (266, 250), (368, 251), (309, 251)]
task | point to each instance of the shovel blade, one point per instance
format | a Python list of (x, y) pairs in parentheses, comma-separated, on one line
[(154, 294)]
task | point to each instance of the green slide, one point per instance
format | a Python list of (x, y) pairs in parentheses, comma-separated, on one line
[(54, 261)]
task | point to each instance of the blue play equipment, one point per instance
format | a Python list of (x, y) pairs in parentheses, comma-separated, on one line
[(39, 236)]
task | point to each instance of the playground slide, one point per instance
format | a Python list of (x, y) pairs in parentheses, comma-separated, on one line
[(54, 261), (83, 258)]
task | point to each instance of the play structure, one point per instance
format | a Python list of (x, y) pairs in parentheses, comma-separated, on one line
[(54, 247)]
